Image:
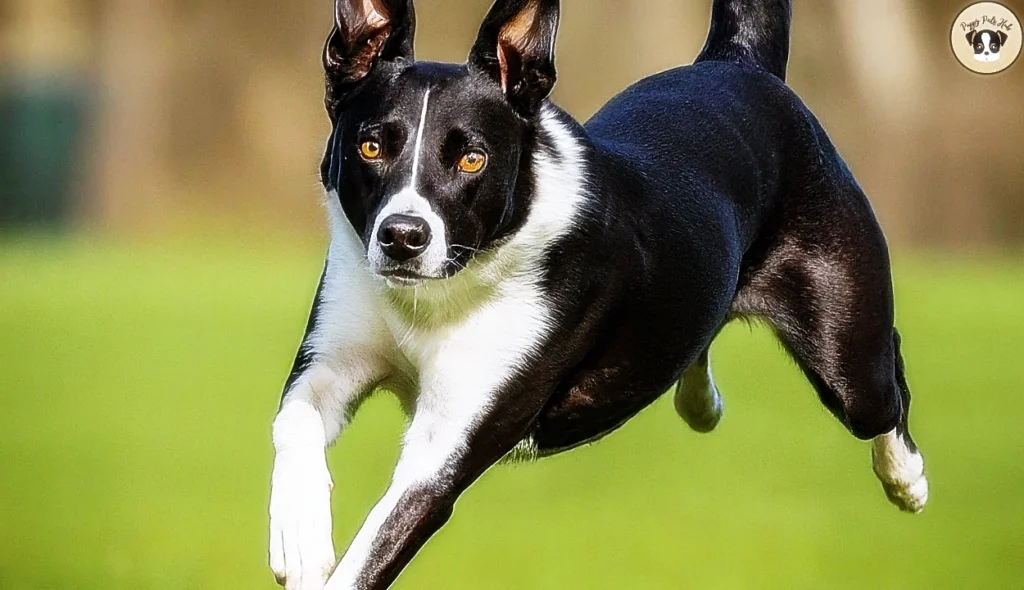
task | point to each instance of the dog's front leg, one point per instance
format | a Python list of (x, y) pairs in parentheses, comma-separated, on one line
[(455, 435), (312, 415), (339, 364)]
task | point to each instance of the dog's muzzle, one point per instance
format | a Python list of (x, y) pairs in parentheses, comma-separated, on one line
[(403, 237)]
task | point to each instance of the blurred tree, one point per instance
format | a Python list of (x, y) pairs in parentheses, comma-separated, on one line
[(43, 101), (214, 108), (136, 52)]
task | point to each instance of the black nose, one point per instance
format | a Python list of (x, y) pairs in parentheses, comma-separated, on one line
[(403, 237)]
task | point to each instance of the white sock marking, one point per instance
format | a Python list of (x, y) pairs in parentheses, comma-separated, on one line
[(697, 399), (901, 472)]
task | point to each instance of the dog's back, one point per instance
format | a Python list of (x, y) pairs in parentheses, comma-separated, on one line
[(707, 132), (725, 128), (720, 159)]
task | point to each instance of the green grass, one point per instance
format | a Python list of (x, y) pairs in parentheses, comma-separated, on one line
[(138, 384)]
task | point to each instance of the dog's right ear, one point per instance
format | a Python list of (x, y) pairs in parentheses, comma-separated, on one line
[(366, 31), (971, 36)]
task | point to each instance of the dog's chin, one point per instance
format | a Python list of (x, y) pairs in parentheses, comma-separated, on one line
[(396, 282), (404, 279), (986, 58)]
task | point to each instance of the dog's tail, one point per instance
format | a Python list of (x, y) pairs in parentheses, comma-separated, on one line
[(753, 32)]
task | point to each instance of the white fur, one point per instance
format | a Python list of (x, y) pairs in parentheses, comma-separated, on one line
[(409, 201), (301, 549), (459, 339), (901, 472), (463, 362), (697, 400), (461, 369), (418, 148), (352, 354)]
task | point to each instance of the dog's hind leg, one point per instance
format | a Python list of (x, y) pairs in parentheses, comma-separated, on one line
[(697, 399), (831, 305), (896, 458)]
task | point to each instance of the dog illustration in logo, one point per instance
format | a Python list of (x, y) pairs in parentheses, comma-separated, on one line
[(987, 44)]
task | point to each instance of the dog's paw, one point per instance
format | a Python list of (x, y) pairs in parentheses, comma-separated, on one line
[(701, 414), (908, 497), (301, 549), (901, 471), (698, 401)]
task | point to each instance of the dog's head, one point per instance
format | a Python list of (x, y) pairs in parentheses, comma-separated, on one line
[(431, 161), (987, 44)]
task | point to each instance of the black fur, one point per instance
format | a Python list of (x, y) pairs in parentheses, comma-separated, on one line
[(712, 193), (304, 357), (754, 32), (750, 213)]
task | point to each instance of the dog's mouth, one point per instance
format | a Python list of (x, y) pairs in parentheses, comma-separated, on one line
[(400, 277), (412, 275)]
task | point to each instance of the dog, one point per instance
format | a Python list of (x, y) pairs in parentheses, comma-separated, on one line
[(525, 284), (987, 44)]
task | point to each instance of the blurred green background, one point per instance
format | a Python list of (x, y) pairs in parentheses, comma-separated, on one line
[(161, 238)]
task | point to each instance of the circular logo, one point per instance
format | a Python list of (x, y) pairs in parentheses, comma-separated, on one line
[(986, 38)]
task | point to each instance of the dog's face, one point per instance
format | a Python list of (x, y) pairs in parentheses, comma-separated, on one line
[(432, 162), (987, 44)]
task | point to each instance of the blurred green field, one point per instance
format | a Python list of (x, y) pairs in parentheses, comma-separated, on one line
[(138, 384)]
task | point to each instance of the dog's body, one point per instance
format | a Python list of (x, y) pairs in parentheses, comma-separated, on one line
[(539, 300)]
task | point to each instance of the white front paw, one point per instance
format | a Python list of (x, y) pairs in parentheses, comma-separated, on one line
[(301, 548)]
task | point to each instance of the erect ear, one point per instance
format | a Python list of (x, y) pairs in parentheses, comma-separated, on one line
[(366, 31), (1002, 37), (971, 36), (516, 47)]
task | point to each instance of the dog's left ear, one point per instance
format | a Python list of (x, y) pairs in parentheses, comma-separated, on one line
[(366, 31), (516, 47), (971, 36), (1002, 37)]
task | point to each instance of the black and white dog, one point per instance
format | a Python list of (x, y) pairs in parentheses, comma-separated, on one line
[(987, 44), (526, 284)]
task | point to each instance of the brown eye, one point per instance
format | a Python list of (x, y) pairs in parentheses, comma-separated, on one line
[(370, 150), (994, 47), (472, 162)]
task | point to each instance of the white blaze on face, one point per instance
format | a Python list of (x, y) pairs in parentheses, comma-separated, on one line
[(409, 201)]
